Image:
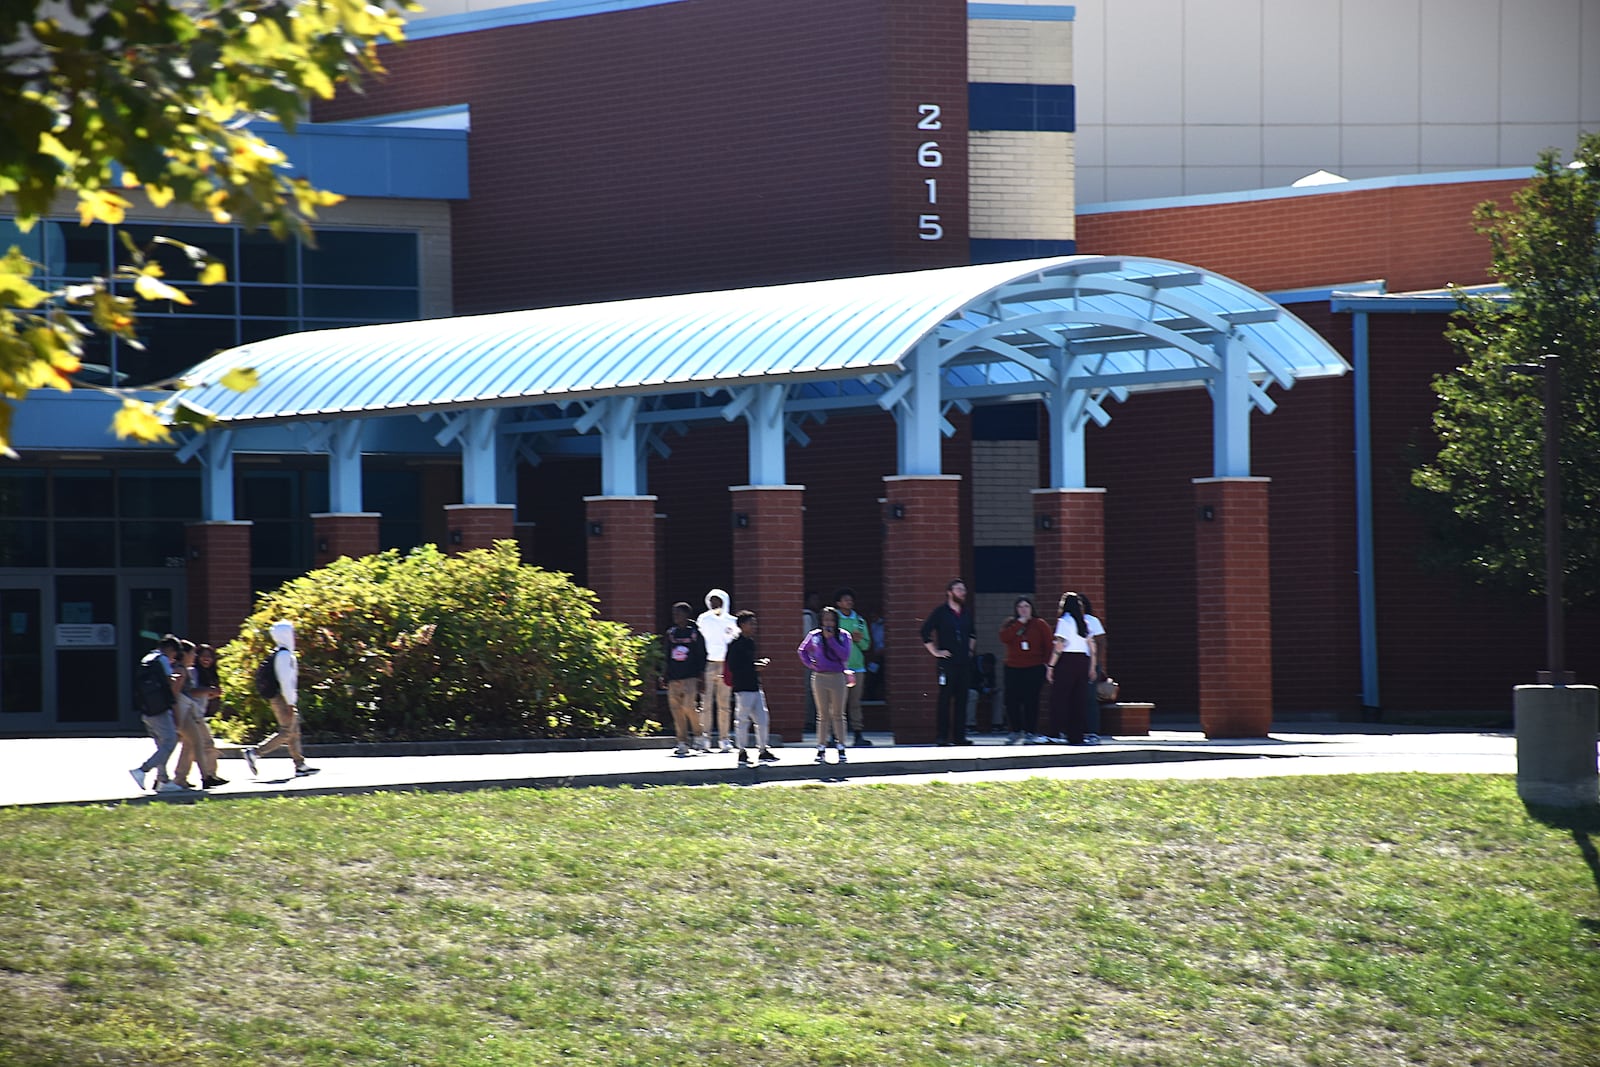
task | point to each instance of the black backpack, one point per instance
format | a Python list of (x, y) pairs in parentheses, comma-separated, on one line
[(267, 685), (152, 687)]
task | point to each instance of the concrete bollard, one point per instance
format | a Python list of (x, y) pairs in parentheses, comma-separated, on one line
[(1556, 733)]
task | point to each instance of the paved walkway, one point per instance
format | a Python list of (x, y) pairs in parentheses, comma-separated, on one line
[(95, 770)]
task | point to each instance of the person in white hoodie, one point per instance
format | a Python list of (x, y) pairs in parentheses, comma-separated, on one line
[(718, 627), (285, 704)]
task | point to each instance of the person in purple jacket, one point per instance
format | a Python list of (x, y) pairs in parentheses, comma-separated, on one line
[(826, 653)]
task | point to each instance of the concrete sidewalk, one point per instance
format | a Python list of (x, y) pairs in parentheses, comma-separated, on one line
[(95, 770)]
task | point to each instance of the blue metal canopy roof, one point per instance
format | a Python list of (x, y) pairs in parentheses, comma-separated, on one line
[(1120, 324)]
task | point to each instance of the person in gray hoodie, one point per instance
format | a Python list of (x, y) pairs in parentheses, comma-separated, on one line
[(285, 705), (718, 627)]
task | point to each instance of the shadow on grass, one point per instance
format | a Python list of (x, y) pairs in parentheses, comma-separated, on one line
[(1582, 824)]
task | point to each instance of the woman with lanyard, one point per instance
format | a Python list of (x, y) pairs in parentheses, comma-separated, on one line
[(1069, 671)]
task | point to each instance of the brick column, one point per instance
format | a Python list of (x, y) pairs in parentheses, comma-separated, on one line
[(218, 577), (769, 579), (622, 559), (469, 526), (1069, 548), (335, 534), (921, 553), (1233, 593)]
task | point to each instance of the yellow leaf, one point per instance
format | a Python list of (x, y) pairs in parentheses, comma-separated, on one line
[(138, 420), (160, 195), (241, 379), (151, 288), (100, 205), (213, 273)]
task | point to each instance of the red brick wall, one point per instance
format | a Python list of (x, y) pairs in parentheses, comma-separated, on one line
[(353, 535), (1414, 237), (218, 580), (921, 553), (768, 576), (479, 526), (622, 560), (1233, 596), (1071, 554), (689, 147)]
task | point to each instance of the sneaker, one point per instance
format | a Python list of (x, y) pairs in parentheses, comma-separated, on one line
[(302, 770), (744, 758), (681, 750), (862, 740), (212, 782), (1091, 739), (170, 787), (727, 744), (841, 754), (822, 755), (766, 756), (138, 777), (250, 760)]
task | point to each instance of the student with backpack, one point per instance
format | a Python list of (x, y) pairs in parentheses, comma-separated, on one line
[(154, 696), (278, 680)]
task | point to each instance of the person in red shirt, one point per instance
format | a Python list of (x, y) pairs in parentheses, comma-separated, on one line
[(1027, 639)]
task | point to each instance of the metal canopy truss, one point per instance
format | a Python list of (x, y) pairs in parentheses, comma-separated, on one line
[(1074, 332)]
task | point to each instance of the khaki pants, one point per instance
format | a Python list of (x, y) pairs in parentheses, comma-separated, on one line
[(716, 694), (198, 746), (288, 731), (830, 691), (852, 703), (681, 694)]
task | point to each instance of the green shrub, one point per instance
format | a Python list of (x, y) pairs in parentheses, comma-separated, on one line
[(427, 645)]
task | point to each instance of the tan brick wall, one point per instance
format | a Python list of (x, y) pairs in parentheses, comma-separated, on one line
[(1026, 53), (1021, 184)]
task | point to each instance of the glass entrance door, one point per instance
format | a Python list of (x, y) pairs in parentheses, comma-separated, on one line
[(23, 666)]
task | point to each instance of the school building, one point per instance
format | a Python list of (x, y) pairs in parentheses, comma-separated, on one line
[(777, 297)]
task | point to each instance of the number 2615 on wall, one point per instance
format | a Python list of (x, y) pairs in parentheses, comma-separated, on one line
[(929, 228)]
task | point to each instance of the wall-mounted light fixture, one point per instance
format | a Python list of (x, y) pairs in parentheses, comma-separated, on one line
[(322, 546), (194, 551), (741, 519), (596, 529), (455, 537), (1208, 513), (1043, 522), (897, 511)]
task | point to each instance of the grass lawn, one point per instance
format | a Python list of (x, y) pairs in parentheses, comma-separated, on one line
[(1404, 919)]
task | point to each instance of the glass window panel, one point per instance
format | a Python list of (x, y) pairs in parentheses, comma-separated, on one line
[(77, 252), (203, 300), (22, 492), (393, 494), (216, 240), (151, 544), (98, 361), (261, 329), (84, 494), (382, 305), (264, 258), (348, 257), (172, 345), (160, 494), (272, 546), (268, 495), (273, 301), (24, 543), (85, 544), (30, 244)]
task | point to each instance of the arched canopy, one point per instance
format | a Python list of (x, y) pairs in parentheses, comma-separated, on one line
[(1074, 332), (1121, 323)]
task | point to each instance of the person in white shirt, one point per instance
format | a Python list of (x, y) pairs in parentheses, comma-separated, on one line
[(718, 627), (1069, 669)]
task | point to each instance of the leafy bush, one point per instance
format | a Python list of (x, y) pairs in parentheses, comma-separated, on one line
[(428, 645)]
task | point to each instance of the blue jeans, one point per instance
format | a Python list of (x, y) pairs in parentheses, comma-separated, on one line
[(164, 732)]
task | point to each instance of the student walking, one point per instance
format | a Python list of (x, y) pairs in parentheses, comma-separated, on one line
[(154, 692), (285, 704)]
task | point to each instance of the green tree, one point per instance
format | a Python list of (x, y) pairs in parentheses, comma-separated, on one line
[(427, 645), (1484, 490), (105, 100)]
